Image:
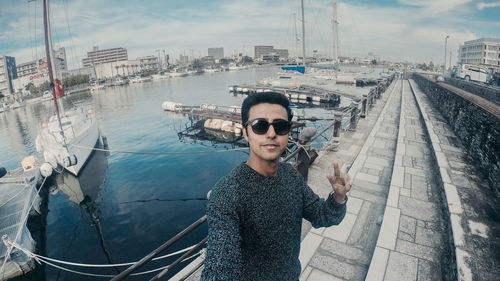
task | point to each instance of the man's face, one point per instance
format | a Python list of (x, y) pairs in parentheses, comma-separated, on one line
[(269, 146)]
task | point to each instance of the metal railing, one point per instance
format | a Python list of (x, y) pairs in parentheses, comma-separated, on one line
[(163, 247)]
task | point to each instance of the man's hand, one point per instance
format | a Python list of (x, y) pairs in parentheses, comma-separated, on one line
[(341, 183)]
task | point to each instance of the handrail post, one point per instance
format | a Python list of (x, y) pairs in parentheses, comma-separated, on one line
[(335, 137), (354, 114), (306, 155), (364, 105)]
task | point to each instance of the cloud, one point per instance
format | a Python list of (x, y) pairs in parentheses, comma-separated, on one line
[(405, 32), (481, 5), (436, 6)]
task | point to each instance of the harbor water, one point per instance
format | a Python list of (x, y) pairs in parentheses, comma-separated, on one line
[(125, 205)]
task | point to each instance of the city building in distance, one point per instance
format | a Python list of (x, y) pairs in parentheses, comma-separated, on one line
[(35, 66), (216, 53), (269, 53), (97, 56), (483, 51), (8, 72)]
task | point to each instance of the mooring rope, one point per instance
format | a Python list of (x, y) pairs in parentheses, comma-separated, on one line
[(47, 260), (158, 153)]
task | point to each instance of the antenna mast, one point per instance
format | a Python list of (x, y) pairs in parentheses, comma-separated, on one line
[(335, 34), (303, 35)]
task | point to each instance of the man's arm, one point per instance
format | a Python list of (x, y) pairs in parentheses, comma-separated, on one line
[(223, 257), (321, 212)]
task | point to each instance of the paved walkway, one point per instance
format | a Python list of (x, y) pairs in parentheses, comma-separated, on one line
[(344, 252), (413, 241)]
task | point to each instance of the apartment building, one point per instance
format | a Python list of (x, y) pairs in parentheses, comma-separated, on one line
[(97, 56)]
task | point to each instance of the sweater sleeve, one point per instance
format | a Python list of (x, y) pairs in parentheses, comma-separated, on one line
[(223, 257), (321, 212)]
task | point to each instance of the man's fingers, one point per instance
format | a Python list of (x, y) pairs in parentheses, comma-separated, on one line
[(336, 172), (330, 178)]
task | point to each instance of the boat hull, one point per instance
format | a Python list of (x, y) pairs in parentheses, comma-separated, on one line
[(78, 145)]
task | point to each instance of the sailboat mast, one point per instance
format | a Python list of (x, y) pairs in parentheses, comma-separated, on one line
[(296, 36), (335, 33), (303, 35), (48, 52)]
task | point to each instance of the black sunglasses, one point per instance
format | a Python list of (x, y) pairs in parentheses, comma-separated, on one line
[(260, 126)]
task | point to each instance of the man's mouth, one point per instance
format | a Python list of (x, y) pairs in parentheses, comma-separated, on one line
[(270, 145)]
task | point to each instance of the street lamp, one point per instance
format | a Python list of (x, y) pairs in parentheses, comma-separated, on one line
[(445, 51)]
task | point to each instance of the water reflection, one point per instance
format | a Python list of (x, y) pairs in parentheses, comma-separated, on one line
[(84, 191)]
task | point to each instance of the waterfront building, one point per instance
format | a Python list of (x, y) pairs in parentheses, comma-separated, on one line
[(216, 53), (96, 56), (8, 72), (148, 63), (269, 53), (61, 64), (261, 51), (37, 66), (483, 51), (27, 68), (89, 71), (183, 59)]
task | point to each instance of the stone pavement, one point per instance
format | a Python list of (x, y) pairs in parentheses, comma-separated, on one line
[(344, 252), (413, 241)]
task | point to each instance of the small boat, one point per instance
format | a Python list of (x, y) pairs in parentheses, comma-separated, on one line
[(120, 82), (18, 198), (98, 85), (79, 129), (139, 79), (18, 103), (47, 96), (4, 107)]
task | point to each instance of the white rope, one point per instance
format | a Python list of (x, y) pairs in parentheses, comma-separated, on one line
[(303, 147), (9, 249), (31, 254), (40, 259), (158, 153)]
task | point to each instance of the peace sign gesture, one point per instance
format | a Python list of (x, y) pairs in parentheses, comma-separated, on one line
[(341, 183)]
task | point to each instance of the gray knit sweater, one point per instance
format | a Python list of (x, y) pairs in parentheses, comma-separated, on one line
[(255, 223)]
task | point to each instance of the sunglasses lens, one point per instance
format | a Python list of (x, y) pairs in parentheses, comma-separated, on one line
[(281, 127), (260, 127)]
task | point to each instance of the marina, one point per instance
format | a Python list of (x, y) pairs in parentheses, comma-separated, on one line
[(174, 185), (106, 170)]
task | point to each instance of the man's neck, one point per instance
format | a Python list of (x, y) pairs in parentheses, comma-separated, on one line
[(265, 168)]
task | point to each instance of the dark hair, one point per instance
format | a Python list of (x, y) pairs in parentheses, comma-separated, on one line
[(267, 97)]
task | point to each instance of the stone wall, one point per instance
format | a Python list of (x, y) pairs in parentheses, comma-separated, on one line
[(490, 93), (478, 130)]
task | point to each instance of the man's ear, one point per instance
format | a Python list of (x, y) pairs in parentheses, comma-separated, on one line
[(245, 135)]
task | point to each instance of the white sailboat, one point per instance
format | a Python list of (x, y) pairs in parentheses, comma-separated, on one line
[(66, 138)]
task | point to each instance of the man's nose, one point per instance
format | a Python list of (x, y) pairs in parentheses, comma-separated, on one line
[(270, 132)]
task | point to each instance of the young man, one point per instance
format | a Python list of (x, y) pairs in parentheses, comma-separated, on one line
[(255, 212)]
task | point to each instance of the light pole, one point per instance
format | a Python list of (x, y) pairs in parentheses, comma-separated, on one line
[(445, 51)]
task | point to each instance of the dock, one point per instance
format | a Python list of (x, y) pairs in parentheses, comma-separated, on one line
[(302, 93)]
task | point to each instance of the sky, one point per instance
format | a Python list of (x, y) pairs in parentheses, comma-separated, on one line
[(398, 30)]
